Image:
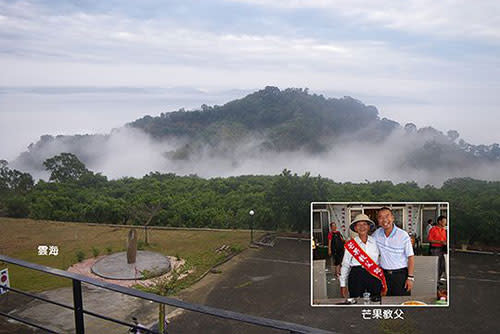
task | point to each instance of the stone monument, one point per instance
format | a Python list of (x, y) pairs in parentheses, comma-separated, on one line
[(132, 264)]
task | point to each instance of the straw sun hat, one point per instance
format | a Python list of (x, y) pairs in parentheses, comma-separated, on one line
[(362, 218)]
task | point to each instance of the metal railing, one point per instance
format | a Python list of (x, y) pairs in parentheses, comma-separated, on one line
[(79, 311)]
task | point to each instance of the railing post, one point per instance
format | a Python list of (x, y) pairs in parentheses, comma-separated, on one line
[(78, 304)]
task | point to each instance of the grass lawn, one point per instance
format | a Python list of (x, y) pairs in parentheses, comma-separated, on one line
[(20, 238)]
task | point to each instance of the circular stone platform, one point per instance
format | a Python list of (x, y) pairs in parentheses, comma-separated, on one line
[(115, 266)]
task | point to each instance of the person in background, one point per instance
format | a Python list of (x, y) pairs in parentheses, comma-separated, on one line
[(335, 247), (396, 254), (438, 241), (427, 229), (426, 234), (314, 248)]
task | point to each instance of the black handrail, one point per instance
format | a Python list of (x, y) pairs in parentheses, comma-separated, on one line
[(220, 313)]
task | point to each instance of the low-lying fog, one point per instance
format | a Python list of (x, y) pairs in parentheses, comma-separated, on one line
[(131, 152)]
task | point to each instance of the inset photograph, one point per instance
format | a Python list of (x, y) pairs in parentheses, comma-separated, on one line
[(379, 253)]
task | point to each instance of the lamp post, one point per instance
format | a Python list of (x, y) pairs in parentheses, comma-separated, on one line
[(251, 213)]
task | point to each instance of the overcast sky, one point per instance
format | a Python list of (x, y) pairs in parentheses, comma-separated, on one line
[(430, 62)]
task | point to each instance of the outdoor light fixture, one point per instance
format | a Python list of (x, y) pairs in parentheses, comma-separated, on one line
[(251, 213)]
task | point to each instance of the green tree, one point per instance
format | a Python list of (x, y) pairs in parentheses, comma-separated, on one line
[(65, 167), (14, 180), (14, 186)]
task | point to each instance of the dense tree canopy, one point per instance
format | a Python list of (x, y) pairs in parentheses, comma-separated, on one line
[(286, 120), (281, 202)]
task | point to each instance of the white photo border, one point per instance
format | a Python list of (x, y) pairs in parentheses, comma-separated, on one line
[(383, 305)]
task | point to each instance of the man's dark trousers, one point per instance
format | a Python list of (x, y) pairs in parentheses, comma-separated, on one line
[(439, 252), (396, 280)]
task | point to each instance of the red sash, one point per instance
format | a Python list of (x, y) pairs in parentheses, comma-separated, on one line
[(366, 262)]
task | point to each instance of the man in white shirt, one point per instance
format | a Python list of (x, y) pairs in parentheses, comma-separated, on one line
[(396, 254)]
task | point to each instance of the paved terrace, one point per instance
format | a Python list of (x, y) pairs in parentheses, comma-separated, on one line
[(275, 283)]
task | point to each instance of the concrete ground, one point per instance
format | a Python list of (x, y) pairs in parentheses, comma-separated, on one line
[(60, 319), (275, 283)]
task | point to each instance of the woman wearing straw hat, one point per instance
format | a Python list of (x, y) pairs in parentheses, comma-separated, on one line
[(366, 276)]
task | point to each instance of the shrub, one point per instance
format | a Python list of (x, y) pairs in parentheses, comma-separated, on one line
[(80, 256), (236, 248)]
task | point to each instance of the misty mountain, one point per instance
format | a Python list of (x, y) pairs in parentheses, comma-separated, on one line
[(272, 129), (287, 120)]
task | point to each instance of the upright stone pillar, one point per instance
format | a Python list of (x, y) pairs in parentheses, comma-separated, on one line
[(131, 246)]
